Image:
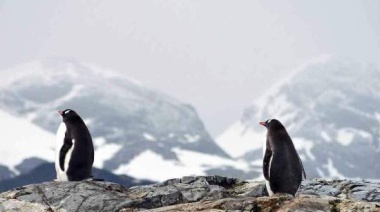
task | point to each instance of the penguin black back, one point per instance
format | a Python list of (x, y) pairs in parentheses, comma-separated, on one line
[(282, 166), (77, 151)]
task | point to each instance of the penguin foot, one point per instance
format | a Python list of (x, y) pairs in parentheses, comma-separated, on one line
[(93, 179), (282, 195)]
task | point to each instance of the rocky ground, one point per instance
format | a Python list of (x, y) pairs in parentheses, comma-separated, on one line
[(207, 193)]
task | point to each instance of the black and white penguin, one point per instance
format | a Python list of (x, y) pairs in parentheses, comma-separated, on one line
[(282, 167), (74, 150)]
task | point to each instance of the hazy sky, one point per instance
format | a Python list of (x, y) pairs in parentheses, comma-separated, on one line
[(217, 55)]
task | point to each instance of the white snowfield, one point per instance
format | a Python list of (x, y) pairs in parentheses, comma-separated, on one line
[(151, 165), (21, 139)]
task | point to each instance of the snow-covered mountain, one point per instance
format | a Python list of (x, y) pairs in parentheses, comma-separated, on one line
[(136, 131), (331, 109)]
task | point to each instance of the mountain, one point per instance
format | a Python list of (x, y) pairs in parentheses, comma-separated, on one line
[(330, 108), (46, 172), (136, 131)]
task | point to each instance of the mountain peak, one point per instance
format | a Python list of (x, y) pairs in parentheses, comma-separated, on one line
[(52, 70), (329, 108), (129, 123)]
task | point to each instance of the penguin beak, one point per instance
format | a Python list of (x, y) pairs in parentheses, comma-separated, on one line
[(263, 123), (60, 112)]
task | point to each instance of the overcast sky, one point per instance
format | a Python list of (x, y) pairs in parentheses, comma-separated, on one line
[(217, 55)]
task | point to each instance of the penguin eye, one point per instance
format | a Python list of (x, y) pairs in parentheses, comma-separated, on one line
[(67, 111), (269, 120)]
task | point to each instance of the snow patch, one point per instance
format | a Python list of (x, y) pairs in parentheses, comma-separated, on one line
[(152, 166), (104, 151), (201, 160), (98, 142), (274, 89), (88, 121), (325, 136), (364, 134), (320, 172), (332, 171), (149, 137), (192, 138), (345, 136), (257, 163), (377, 115), (303, 157), (23, 140), (306, 145), (190, 163), (239, 139)]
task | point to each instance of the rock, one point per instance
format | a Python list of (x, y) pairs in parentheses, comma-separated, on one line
[(202, 193)]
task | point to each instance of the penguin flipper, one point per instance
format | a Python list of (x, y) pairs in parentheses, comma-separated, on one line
[(267, 155), (67, 144), (303, 170)]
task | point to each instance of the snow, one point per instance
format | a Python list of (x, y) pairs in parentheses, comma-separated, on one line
[(192, 138), (108, 73), (325, 136), (320, 172), (150, 165), (238, 140), (98, 142), (303, 144), (104, 151), (257, 163), (332, 171), (75, 92), (20, 139), (377, 116), (196, 159), (276, 108), (276, 87), (364, 134), (63, 68), (345, 136), (149, 137), (305, 102)]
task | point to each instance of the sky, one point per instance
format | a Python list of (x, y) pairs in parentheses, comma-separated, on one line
[(218, 55)]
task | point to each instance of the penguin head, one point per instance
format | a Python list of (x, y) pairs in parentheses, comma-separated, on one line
[(68, 114), (272, 124)]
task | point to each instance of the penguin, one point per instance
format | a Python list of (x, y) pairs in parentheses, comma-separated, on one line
[(282, 167), (74, 150)]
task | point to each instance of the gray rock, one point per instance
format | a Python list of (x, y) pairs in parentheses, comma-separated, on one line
[(202, 193)]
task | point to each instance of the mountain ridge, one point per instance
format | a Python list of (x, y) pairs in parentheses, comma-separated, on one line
[(329, 109), (127, 121)]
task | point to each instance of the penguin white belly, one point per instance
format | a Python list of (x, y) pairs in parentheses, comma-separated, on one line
[(270, 192), (269, 189), (267, 184), (61, 175)]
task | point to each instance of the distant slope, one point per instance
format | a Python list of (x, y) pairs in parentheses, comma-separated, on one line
[(126, 119), (46, 172), (331, 110), (21, 139)]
